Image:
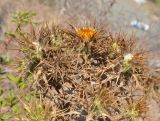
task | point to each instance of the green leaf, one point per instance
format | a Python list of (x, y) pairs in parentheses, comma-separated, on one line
[(16, 109), (10, 34), (6, 116), (20, 83), (23, 17), (27, 98), (13, 78), (4, 59), (10, 100)]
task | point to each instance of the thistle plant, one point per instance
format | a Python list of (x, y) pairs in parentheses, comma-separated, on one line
[(85, 72)]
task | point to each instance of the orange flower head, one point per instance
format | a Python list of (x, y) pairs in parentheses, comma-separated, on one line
[(86, 33)]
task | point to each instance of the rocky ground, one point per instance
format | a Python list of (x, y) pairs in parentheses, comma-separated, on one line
[(117, 14)]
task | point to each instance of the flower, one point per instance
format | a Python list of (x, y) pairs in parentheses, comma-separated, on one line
[(128, 57), (86, 33)]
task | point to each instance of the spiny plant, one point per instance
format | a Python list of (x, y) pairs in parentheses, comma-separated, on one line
[(85, 73)]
